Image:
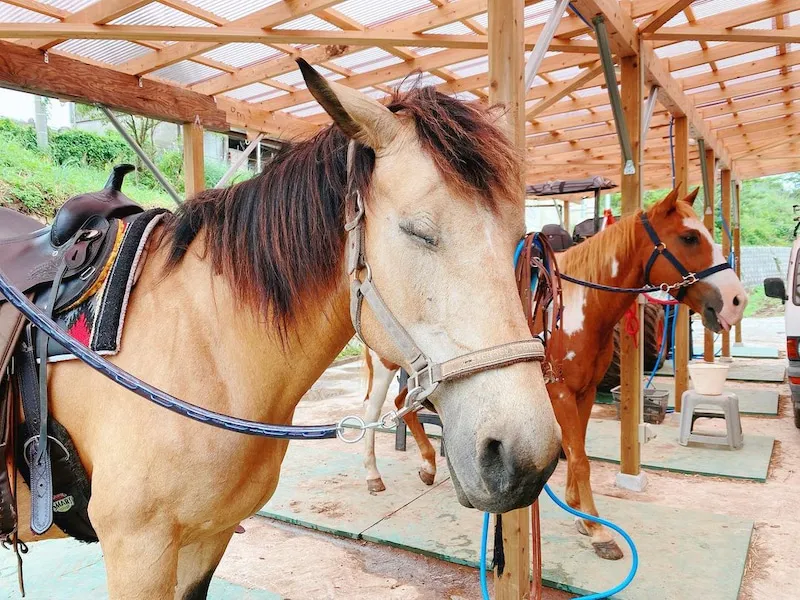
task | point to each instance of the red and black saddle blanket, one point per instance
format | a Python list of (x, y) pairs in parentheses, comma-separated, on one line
[(96, 319)]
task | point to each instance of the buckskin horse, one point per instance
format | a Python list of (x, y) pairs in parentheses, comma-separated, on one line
[(245, 300), (625, 255)]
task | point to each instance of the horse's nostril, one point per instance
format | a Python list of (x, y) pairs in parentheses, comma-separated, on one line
[(736, 301)]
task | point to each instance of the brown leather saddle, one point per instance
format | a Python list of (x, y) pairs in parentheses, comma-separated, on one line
[(56, 265)]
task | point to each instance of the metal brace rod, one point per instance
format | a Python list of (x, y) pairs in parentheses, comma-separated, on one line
[(141, 154), (613, 94), (701, 146), (543, 43), (239, 161), (649, 109)]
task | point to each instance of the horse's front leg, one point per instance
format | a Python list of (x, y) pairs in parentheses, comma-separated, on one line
[(427, 470), (602, 540), (381, 375), (579, 490), (140, 548)]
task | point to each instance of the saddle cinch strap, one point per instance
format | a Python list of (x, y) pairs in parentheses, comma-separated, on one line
[(425, 375)]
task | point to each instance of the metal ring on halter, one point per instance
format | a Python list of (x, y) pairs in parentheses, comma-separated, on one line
[(34, 438), (358, 423), (660, 247)]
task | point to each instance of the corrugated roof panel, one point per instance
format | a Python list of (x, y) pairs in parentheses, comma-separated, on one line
[(696, 70), (482, 20), (539, 12), (371, 13), (564, 74), (708, 8), (373, 93), (69, 5), (242, 54), (593, 91), (310, 23), (160, 15), (679, 19), (466, 96), (112, 52), (767, 74), (420, 51), (15, 14), (678, 49), (792, 19), (231, 10), (744, 58), (305, 109), (295, 78), (470, 67), (456, 28), (248, 92), (367, 60), (187, 72), (762, 24), (421, 80)]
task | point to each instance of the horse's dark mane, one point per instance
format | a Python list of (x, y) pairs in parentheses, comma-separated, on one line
[(280, 235)]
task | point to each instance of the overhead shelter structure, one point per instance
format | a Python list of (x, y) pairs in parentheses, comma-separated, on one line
[(722, 76)]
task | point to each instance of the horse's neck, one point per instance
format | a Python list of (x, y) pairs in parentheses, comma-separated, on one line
[(239, 362), (600, 310)]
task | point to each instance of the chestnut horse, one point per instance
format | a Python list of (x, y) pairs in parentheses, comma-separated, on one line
[(617, 256), (244, 301)]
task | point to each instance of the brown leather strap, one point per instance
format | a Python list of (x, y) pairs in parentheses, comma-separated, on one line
[(490, 358)]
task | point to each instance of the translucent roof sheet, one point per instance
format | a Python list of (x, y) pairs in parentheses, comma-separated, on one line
[(187, 72), (15, 14), (367, 60), (371, 13), (158, 14), (309, 22), (254, 92), (232, 10), (240, 55), (677, 49), (113, 52), (745, 58)]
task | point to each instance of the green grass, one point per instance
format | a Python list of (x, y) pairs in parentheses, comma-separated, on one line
[(353, 348), (758, 305), (31, 182)]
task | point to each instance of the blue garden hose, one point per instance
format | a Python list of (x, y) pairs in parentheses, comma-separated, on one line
[(606, 594), (664, 338)]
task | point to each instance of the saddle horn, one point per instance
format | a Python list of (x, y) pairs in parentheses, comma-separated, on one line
[(118, 176)]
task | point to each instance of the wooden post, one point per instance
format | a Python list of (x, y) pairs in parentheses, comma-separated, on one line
[(565, 214), (737, 249), (194, 171), (506, 86), (725, 184), (682, 350), (630, 363), (708, 221)]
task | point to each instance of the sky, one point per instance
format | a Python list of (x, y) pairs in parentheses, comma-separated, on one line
[(20, 106)]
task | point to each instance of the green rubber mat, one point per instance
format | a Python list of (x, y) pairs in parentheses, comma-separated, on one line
[(743, 351), (765, 372), (683, 553), (69, 570), (752, 401), (666, 454)]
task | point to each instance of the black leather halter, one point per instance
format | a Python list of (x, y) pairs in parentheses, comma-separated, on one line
[(660, 249)]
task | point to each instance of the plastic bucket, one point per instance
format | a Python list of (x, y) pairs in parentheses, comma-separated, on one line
[(708, 378)]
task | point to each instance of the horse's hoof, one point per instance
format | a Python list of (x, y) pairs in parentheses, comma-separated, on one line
[(375, 485), (581, 527), (607, 550), (239, 529), (427, 478)]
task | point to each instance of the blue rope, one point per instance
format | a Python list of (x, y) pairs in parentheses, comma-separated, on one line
[(598, 596), (634, 553), (667, 313), (580, 16)]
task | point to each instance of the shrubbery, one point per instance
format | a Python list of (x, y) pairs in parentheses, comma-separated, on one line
[(25, 135), (76, 146)]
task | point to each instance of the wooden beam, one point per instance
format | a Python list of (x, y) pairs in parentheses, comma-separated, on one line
[(660, 18), (623, 34), (565, 88), (682, 324), (700, 33), (737, 249), (725, 186), (630, 363), (230, 34), (708, 221), (23, 69), (193, 159), (506, 72)]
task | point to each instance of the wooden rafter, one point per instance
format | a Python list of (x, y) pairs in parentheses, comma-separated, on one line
[(564, 88), (706, 34), (663, 15)]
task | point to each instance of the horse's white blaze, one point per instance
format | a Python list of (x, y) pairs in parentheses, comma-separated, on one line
[(614, 267), (726, 282), (574, 303), (569, 355)]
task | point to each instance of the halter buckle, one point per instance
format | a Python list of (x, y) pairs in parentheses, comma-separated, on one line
[(660, 247), (689, 279), (356, 220), (417, 390)]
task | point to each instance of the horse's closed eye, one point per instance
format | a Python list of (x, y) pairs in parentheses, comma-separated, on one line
[(421, 232)]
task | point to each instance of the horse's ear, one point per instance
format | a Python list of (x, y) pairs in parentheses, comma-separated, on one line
[(667, 205), (691, 197), (359, 116)]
